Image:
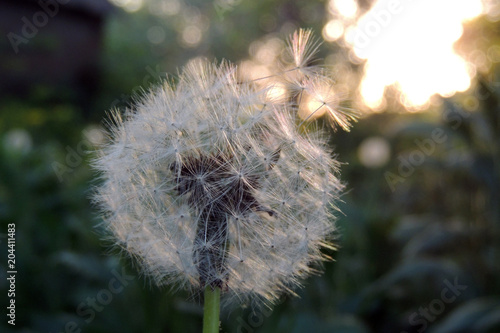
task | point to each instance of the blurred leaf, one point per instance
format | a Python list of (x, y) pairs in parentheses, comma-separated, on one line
[(418, 269), (409, 226), (465, 318), (490, 322), (435, 239)]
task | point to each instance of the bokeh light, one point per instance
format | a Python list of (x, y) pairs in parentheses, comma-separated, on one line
[(314, 104), (311, 108), (333, 30), (191, 35), (165, 7), (18, 140), (96, 135), (374, 152), (345, 8), (156, 34), (276, 93), (128, 5)]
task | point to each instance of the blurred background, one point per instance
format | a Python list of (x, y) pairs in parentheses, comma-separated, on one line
[(419, 235)]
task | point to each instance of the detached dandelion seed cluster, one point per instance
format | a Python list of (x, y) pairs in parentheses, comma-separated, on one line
[(210, 184)]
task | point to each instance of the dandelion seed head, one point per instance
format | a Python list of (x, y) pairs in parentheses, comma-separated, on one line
[(208, 183)]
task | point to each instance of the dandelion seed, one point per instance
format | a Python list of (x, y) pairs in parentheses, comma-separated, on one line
[(302, 47), (208, 184), (307, 86), (319, 97)]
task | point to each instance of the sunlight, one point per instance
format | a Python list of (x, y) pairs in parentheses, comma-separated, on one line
[(410, 45), (346, 8)]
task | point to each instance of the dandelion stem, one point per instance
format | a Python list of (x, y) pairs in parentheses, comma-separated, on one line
[(211, 310)]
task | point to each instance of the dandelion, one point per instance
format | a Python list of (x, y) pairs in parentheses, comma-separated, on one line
[(211, 186)]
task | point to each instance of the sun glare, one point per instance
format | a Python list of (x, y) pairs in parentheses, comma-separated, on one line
[(346, 8), (408, 45)]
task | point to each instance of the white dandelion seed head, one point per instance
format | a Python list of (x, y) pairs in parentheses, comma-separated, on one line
[(209, 184)]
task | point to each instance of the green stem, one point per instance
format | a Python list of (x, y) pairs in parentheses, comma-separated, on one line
[(211, 310)]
